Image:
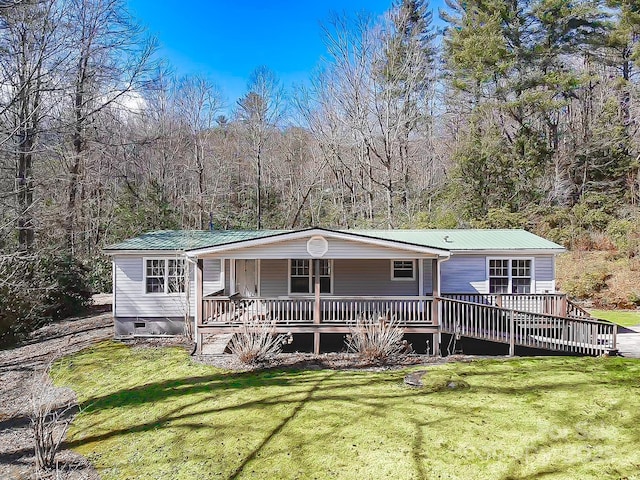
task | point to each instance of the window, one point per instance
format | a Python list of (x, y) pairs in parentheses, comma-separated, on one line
[(325, 277), (301, 276), (521, 276), (498, 276), (509, 275), (402, 270), (175, 276), (155, 276), (164, 275)]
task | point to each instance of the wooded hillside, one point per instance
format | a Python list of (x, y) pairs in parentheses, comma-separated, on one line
[(517, 114)]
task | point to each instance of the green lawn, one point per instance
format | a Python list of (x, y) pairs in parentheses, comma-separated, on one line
[(626, 318), (152, 414)]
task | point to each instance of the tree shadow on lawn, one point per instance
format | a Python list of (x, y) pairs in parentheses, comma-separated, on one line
[(217, 384), (320, 386), (534, 379)]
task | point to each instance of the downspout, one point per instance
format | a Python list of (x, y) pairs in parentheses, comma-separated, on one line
[(436, 300), (194, 263)]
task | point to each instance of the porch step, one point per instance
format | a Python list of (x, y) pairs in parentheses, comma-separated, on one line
[(216, 344)]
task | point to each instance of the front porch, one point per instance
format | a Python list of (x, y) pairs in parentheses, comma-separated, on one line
[(309, 315), (321, 282), (535, 324)]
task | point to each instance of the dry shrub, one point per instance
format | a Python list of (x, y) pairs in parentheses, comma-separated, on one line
[(257, 341), (377, 339), (50, 415)]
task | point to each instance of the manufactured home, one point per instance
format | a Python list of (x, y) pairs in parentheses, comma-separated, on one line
[(496, 285)]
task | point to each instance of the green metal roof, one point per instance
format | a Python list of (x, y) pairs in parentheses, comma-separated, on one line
[(505, 239), (451, 240), (189, 239)]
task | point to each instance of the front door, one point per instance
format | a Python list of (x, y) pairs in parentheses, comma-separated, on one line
[(246, 278)]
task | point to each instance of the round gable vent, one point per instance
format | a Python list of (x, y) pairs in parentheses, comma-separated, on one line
[(317, 246)]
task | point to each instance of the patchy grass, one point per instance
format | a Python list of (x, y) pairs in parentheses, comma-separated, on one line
[(626, 318), (152, 413)]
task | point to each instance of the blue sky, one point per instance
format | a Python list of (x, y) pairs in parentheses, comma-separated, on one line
[(226, 39)]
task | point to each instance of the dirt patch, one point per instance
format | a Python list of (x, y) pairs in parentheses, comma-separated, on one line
[(18, 367)]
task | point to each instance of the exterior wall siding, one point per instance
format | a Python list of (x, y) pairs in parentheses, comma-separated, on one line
[(131, 299), (351, 278), (464, 274), (274, 278), (338, 248), (427, 276), (211, 277), (468, 273), (545, 274), (369, 277)]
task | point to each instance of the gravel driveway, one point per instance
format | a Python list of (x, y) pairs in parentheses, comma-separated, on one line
[(18, 369)]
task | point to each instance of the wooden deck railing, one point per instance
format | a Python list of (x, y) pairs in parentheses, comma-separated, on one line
[(408, 310), (576, 311), (528, 329), (545, 303), (333, 310)]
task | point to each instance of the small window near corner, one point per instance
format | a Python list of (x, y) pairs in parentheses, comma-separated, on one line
[(403, 270)]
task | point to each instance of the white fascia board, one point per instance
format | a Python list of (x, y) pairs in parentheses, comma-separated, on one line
[(144, 253), (507, 252), (283, 237)]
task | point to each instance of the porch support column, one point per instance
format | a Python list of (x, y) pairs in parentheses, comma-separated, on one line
[(232, 276), (420, 277), (435, 314), (198, 320), (316, 309)]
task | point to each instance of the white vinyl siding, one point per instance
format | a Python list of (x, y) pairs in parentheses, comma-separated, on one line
[(131, 301), (211, 281), (337, 248), (544, 273)]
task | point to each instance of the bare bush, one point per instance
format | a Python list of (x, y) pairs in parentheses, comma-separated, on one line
[(257, 341), (377, 339), (50, 415)]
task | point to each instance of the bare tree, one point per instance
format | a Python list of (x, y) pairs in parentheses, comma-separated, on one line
[(30, 52), (50, 418), (261, 110), (111, 61), (199, 103)]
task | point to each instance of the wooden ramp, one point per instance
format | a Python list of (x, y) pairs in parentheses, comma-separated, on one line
[(585, 336), (216, 344)]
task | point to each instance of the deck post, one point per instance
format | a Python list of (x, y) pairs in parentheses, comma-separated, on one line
[(316, 307), (512, 335), (198, 320)]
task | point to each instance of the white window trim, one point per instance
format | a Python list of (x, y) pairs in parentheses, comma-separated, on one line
[(510, 286), (311, 277), (166, 276), (402, 279)]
